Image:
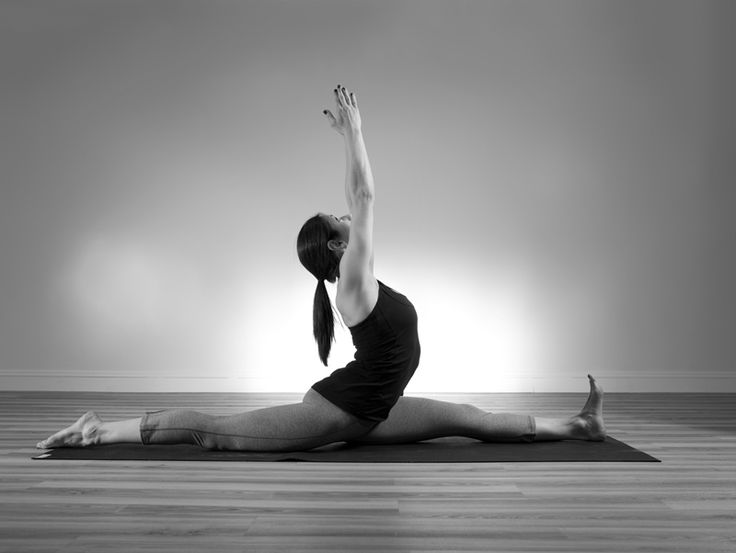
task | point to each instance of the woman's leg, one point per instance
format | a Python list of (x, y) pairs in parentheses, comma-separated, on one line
[(90, 430), (312, 423), (417, 419)]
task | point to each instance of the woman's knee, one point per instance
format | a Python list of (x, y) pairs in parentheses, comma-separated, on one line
[(471, 410)]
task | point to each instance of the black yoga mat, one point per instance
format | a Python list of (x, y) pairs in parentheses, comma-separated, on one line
[(443, 450)]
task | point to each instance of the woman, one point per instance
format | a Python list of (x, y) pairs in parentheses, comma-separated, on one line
[(363, 401)]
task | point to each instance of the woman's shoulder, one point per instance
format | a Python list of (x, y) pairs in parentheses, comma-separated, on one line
[(356, 300)]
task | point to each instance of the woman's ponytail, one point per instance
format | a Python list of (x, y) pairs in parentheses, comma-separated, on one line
[(323, 321), (325, 266)]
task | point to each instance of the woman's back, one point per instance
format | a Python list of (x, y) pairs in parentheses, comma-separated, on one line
[(386, 357)]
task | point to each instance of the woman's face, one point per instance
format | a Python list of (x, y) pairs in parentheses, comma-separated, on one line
[(340, 226)]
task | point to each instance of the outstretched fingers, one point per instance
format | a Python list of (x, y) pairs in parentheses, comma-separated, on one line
[(346, 115), (344, 97), (340, 98)]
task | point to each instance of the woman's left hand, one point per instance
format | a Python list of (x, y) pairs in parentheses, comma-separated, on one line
[(348, 115)]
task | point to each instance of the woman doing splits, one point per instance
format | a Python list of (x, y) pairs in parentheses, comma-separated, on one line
[(362, 402)]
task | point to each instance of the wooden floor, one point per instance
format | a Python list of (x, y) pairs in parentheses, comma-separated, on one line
[(687, 503)]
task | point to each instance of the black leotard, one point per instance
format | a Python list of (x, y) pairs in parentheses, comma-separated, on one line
[(386, 356)]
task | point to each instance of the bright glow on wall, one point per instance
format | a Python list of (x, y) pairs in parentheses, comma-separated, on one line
[(477, 332), (537, 198), (264, 338)]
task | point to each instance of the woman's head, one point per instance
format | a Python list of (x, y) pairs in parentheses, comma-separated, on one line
[(321, 242)]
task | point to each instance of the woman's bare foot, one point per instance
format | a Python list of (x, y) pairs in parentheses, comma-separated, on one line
[(82, 433), (588, 424)]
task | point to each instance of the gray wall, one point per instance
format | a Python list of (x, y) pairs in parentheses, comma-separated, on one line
[(554, 186)]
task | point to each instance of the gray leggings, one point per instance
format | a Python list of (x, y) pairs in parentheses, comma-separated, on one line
[(316, 422)]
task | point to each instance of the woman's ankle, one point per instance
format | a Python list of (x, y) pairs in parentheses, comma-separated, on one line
[(553, 429), (116, 432)]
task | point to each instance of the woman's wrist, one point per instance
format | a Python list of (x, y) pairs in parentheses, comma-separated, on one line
[(353, 138), (351, 130)]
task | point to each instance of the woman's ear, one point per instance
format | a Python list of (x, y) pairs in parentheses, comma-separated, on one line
[(337, 245)]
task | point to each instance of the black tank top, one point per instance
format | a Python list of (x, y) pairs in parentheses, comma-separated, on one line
[(386, 356)]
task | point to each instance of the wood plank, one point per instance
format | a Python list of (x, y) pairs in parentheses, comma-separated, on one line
[(686, 503)]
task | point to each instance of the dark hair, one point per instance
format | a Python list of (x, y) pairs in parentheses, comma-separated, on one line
[(318, 259)]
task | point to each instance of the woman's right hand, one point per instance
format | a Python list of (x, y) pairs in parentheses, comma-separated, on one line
[(348, 115)]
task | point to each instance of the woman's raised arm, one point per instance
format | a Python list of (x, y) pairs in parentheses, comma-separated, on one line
[(357, 264), (358, 175)]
